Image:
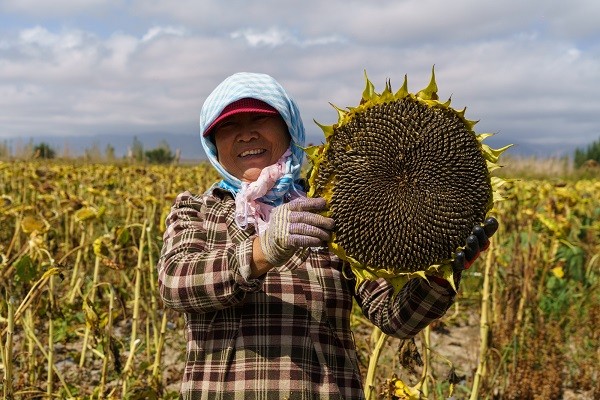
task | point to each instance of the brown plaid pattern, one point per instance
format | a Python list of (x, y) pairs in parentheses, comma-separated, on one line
[(285, 335)]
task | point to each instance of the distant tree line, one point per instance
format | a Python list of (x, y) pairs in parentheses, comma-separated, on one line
[(162, 154), (43, 150), (159, 155), (591, 152)]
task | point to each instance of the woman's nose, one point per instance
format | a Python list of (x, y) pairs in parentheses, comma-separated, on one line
[(247, 134)]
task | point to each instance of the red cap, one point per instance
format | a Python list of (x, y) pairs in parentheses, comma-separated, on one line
[(247, 105)]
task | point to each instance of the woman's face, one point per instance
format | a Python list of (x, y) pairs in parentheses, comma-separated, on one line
[(248, 142)]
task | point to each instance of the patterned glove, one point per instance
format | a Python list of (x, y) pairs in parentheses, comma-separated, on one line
[(293, 225)]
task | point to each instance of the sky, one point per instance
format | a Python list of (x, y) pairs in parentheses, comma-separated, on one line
[(528, 71)]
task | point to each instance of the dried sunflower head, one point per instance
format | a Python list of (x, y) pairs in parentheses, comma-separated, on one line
[(406, 178)]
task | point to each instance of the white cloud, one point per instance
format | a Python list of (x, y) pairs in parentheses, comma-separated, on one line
[(271, 37), (158, 31), (278, 37), (38, 36), (527, 70)]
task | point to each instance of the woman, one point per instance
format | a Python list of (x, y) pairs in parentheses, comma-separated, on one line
[(267, 306)]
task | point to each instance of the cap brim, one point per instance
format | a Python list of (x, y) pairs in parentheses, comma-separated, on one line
[(266, 110)]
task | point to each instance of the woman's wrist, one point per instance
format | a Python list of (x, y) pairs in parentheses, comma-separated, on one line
[(259, 264)]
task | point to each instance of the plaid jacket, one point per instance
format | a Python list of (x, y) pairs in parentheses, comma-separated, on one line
[(285, 335)]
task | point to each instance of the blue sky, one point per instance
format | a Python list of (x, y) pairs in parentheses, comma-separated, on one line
[(528, 71)]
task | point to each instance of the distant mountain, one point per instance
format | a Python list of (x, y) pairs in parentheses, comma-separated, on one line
[(191, 147)]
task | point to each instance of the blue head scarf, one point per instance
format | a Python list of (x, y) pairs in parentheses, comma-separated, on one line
[(262, 87), (265, 88)]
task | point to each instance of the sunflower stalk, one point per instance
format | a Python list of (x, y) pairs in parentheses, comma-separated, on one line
[(8, 351), (159, 348), (75, 274), (15, 241), (88, 326), (426, 333), (136, 308), (484, 326), (107, 340), (31, 334), (152, 327), (50, 358), (28, 319), (149, 343), (380, 339), (2, 320), (153, 289)]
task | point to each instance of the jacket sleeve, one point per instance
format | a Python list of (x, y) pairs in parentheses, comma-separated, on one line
[(193, 274), (405, 314)]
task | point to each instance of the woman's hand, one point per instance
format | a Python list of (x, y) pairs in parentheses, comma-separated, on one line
[(477, 242), (293, 225)]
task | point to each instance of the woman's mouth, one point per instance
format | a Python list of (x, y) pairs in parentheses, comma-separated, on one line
[(252, 152)]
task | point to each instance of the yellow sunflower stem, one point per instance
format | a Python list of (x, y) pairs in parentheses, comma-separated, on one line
[(427, 360), (370, 392), (7, 351), (127, 370), (484, 326)]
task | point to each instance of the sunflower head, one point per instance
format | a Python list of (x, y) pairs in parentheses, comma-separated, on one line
[(406, 178)]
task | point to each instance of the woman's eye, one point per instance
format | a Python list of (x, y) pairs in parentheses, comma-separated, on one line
[(260, 118), (225, 125)]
